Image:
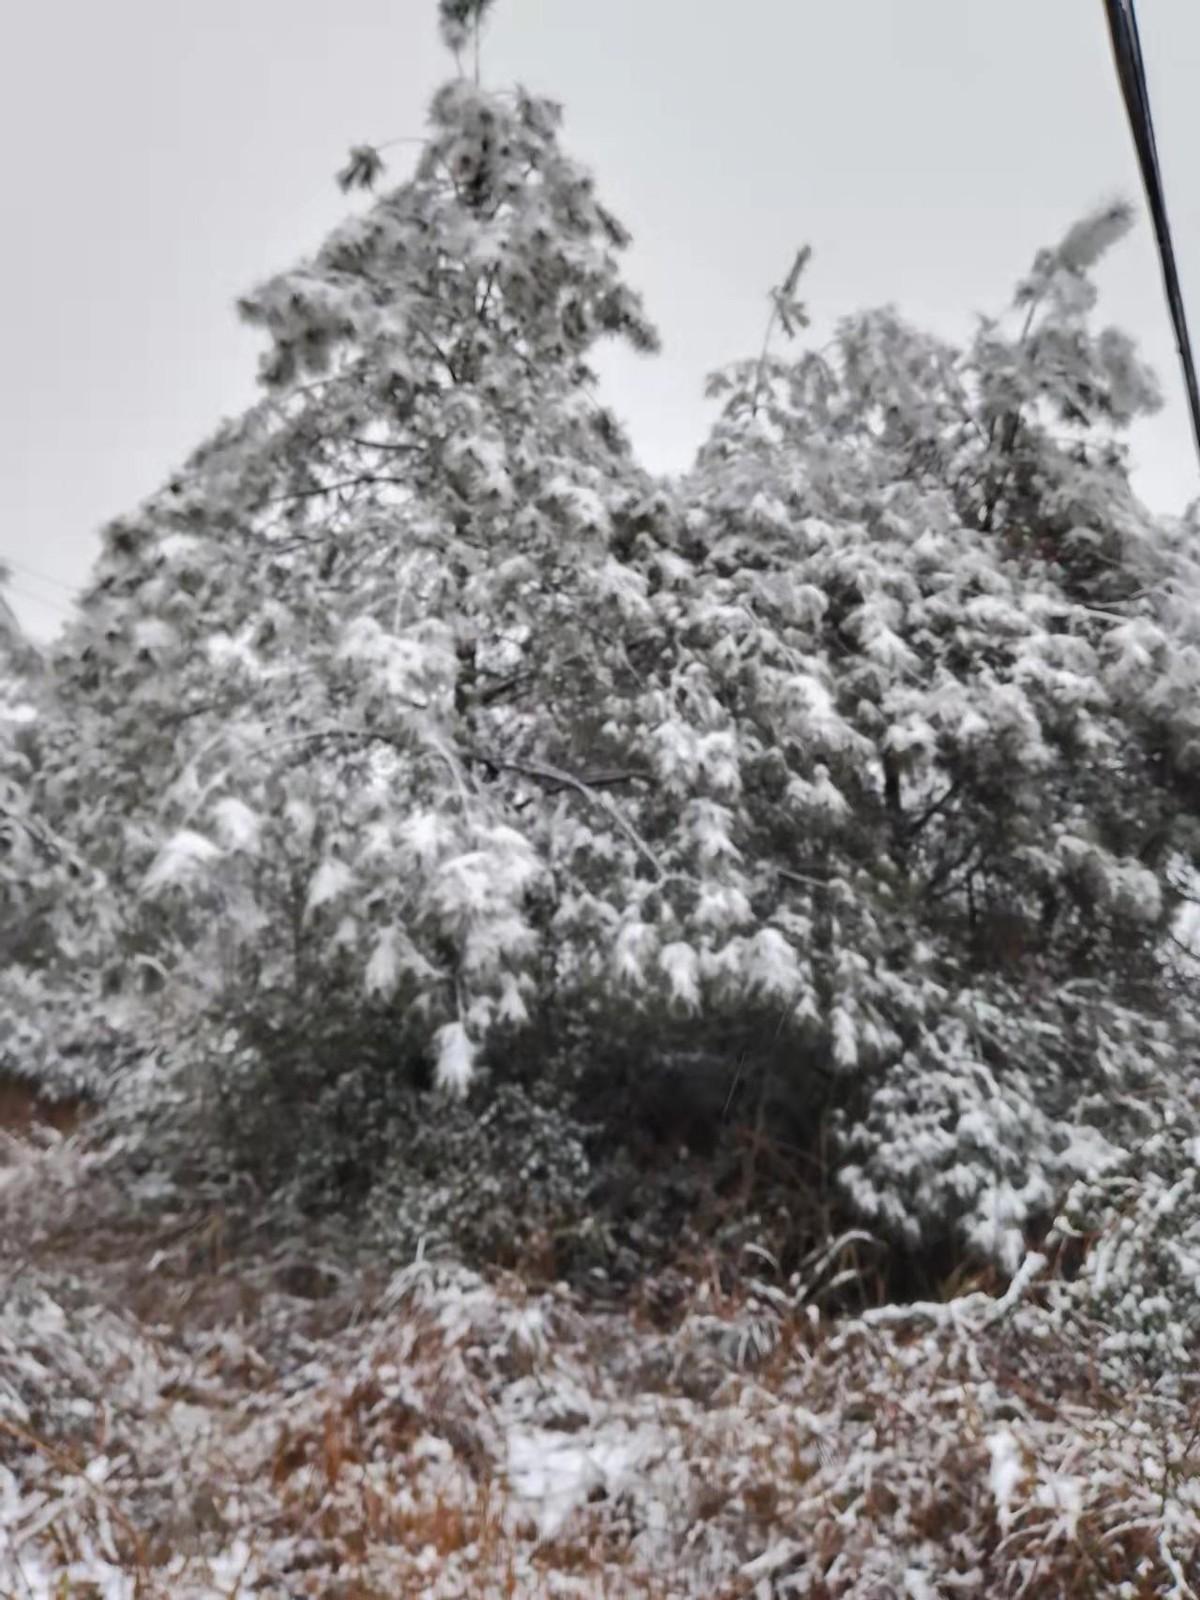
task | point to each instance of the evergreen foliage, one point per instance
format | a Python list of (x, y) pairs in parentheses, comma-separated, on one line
[(749, 917), (425, 740)]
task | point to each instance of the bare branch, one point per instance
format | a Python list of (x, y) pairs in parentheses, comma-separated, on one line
[(589, 787), (364, 479)]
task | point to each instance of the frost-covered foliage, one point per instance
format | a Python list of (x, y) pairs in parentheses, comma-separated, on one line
[(28, 853), (723, 904), (502, 1177), (185, 1426), (460, 19), (917, 607), (506, 1185), (1132, 1237), (321, 689), (51, 900), (418, 730)]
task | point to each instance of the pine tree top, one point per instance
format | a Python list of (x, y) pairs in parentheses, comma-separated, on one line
[(461, 20)]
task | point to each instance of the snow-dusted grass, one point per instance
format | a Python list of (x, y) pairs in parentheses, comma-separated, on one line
[(181, 1422)]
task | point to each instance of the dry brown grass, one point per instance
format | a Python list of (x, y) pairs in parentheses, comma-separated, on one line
[(204, 1419)]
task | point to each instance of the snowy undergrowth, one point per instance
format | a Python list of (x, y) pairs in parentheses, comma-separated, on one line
[(179, 1424)]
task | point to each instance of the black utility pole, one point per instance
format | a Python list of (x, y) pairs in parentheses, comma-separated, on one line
[(1131, 73)]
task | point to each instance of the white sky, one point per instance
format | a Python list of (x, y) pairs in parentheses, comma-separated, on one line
[(159, 157)]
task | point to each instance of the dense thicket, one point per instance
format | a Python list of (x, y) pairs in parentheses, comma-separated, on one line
[(846, 787)]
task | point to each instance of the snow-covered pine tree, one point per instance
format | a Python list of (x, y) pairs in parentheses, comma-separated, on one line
[(933, 620), (460, 20), (335, 705), (411, 709)]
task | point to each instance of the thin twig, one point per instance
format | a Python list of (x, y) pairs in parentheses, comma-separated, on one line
[(65, 1464), (364, 478), (543, 772)]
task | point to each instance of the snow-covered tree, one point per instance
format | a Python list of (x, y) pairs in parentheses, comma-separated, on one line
[(411, 714), (336, 698), (48, 895), (932, 620), (32, 859), (460, 19)]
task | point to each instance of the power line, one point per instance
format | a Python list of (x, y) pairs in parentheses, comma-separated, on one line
[(63, 609), (32, 572), (1131, 74)]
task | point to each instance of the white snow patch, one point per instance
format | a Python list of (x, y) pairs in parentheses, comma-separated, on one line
[(1007, 1472), (554, 1473)]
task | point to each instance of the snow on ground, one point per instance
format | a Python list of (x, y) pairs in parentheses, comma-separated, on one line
[(180, 1425)]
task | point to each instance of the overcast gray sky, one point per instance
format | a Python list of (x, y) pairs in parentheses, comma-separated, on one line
[(159, 157)]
